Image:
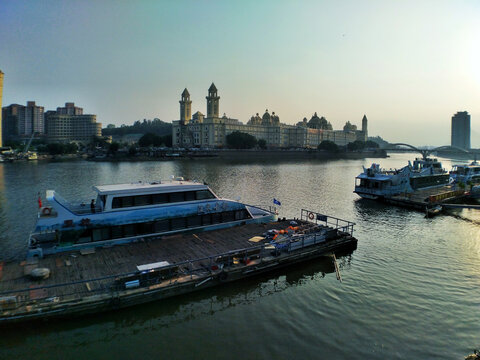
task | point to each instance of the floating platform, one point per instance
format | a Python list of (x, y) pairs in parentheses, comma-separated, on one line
[(427, 198), (100, 279)]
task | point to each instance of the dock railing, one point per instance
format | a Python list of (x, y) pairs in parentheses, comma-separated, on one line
[(204, 269), (336, 223)]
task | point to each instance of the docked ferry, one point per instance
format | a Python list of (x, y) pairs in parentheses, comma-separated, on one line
[(466, 173), (126, 213), (377, 183)]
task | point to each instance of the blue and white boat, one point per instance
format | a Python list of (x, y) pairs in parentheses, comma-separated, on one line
[(126, 213), (466, 173), (377, 183)]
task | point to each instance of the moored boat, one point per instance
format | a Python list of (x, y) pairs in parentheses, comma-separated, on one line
[(376, 183), (466, 173), (126, 213)]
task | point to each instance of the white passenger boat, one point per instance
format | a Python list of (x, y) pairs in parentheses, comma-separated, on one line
[(466, 173), (377, 183), (132, 212)]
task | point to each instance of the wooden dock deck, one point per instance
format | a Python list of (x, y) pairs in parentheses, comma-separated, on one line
[(422, 198), (86, 280)]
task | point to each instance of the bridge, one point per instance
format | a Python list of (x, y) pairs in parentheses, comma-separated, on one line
[(426, 152)]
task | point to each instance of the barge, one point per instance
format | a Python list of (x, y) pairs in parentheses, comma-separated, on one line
[(63, 280)]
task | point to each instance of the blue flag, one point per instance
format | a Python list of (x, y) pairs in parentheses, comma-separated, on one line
[(276, 202)]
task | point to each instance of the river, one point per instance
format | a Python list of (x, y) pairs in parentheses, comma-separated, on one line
[(410, 290)]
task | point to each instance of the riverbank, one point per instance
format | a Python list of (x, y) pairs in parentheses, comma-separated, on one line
[(243, 154)]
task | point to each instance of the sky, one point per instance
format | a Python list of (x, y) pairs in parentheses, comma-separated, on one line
[(408, 65)]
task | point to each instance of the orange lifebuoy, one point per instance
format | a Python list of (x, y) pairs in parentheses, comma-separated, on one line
[(311, 216), (46, 211)]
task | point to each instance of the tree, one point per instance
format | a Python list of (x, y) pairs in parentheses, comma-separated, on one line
[(132, 150), (241, 140), (371, 144), (262, 143), (328, 145), (356, 145), (113, 148)]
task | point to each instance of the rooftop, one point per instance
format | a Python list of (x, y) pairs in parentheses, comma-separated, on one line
[(147, 187)]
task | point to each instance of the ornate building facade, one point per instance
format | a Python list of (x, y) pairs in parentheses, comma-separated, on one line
[(212, 130)]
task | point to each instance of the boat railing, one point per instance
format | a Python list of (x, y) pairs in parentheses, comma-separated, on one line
[(270, 208), (330, 221), (79, 209), (201, 270)]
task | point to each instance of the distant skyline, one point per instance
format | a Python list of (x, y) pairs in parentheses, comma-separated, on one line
[(409, 66)]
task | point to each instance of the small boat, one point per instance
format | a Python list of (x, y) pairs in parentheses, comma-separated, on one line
[(431, 211)]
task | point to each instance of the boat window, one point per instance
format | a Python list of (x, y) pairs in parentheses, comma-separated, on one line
[(129, 230), (106, 233), (194, 221), (85, 236), (179, 223), (143, 200), (162, 225), (127, 201), (116, 232), (116, 203), (189, 195), (97, 235), (206, 219), (159, 198), (177, 197), (216, 218), (144, 228), (241, 214), (228, 216), (204, 194)]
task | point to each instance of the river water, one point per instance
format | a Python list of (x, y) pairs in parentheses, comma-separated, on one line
[(410, 290)]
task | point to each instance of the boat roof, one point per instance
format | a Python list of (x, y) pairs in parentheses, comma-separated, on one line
[(467, 165), (145, 187), (379, 177)]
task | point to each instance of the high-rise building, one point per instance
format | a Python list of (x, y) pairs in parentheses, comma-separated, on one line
[(10, 115), (30, 119), (1, 93), (461, 130), (20, 120)]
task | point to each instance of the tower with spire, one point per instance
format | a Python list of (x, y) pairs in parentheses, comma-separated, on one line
[(364, 126), (212, 102), (185, 107)]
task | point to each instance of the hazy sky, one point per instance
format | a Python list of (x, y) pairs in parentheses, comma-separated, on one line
[(408, 65)]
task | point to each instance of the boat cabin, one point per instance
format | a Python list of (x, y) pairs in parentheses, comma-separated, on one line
[(138, 195)]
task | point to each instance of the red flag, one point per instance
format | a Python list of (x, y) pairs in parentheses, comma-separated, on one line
[(39, 202)]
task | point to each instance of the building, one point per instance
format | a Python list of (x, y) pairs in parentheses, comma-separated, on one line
[(30, 120), (23, 121), (70, 109), (212, 130), (461, 130), (62, 127), (10, 120), (1, 113)]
